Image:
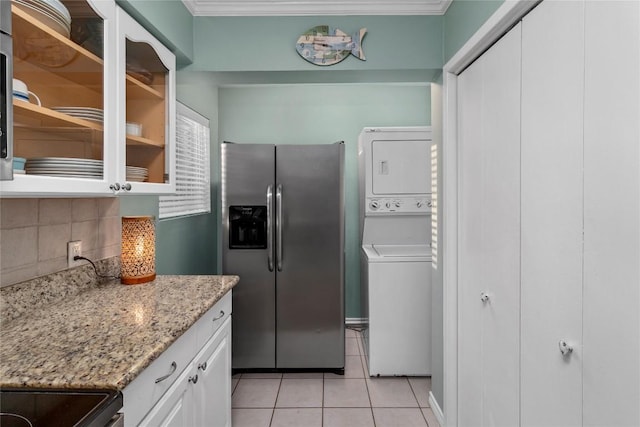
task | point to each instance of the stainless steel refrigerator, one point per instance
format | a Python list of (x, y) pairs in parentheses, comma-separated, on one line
[(283, 227)]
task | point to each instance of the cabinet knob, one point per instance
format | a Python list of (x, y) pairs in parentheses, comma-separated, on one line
[(193, 379), (203, 366), (126, 187), (484, 297), (565, 348), (114, 187)]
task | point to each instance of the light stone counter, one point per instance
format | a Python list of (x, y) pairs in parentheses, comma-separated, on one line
[(104, 336)]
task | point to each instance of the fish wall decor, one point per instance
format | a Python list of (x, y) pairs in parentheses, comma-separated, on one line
[(325, 45)]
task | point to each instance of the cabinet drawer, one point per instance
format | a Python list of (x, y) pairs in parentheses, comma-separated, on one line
[(211, 321), (143, 392)]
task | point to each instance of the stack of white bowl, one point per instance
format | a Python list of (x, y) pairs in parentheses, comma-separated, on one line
[(50, 12)]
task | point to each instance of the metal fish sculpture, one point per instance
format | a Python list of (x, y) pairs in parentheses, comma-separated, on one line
[(325, 45)]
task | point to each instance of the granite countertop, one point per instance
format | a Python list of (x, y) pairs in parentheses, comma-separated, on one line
[(105, 336)]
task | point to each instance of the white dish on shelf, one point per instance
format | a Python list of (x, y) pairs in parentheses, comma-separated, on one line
[(47, 18), (68, 168), (66, 160), (66, 175), (59, 7), (61, 172), (88, 109), (86, 113), (80, 110)]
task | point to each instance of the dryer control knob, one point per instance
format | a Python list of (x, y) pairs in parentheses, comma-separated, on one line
[(398, 204), (374, 205), (388, 205), (419, 204)]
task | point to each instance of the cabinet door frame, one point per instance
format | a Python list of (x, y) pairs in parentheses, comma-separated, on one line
[(127, 27), (46, 186), (218, 349)]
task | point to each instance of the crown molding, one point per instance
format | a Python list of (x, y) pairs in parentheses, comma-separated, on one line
[(315, 7)]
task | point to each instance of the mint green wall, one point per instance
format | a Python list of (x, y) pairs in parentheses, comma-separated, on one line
[(168, 20), (462, 20), (268, 43), (319, 114), (186, 245)]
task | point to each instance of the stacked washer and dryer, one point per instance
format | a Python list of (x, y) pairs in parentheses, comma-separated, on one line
[(395, 264)]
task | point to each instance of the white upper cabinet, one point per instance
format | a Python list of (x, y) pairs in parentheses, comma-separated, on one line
[(146, 110), (88, 69), (68, 65)]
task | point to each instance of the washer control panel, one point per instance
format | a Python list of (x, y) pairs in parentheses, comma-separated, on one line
[(400, 205)]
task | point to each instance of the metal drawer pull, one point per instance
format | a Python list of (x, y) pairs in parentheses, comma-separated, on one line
[(219, 317), (203, 366), (565, 348), (193, 379), (174, 366)]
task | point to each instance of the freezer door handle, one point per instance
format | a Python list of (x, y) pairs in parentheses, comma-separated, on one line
[(279, 225), (269, 227)]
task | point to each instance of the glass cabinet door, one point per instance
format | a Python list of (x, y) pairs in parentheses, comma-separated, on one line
[(62, 122), (147, 116)]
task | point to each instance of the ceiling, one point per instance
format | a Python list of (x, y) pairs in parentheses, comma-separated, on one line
[(315, 7)]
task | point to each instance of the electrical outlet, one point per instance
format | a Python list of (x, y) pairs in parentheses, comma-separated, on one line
[(74, 249)]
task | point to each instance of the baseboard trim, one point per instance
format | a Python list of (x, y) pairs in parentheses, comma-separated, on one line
[(436, 408), (354, 321)]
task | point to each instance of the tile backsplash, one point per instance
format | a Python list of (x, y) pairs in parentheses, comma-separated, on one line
[(34, 234)]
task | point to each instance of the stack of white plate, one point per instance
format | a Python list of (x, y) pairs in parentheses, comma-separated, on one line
[(50, 12), (137, 174), (65, 167), (87, 113)]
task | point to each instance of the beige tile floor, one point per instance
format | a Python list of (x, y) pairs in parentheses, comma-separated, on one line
[(329, 400)]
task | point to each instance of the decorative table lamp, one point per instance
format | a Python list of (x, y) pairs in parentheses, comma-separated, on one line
[(138, 258)]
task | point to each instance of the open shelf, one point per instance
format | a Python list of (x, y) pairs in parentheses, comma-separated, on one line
[(137, 89), (38, 44), (139, 141), (31, 114)]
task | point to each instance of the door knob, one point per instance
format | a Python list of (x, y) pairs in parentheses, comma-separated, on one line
[(565, 348)]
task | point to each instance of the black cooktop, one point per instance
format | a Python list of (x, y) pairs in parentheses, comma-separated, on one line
[(59, 408)]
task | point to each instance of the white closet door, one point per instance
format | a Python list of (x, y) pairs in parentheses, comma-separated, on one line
[(612, 214), (552, 206), (489, 231)]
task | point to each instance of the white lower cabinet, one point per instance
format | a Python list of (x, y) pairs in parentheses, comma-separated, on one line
[(201, 396), (190, 383), (212, 397), (176, 406)]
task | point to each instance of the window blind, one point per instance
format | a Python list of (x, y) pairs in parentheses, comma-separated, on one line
[(193, 189)]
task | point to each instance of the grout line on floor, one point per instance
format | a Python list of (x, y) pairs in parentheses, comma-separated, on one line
[(273, 410), (415, 396)]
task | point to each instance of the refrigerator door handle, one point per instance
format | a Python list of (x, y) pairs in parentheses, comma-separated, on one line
[(269, 227), (279, 225)]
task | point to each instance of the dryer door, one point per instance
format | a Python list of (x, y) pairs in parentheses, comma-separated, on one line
[(401, 167)]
